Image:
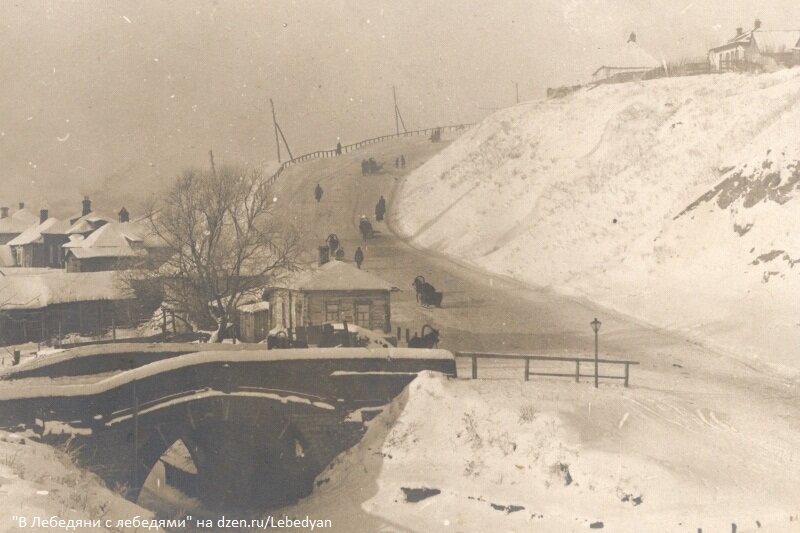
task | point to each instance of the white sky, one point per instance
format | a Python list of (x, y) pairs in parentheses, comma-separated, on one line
[(144, 89)]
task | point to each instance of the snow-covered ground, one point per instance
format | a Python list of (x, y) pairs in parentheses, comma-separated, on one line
[(40, 481), (516, 456), (589, 194)]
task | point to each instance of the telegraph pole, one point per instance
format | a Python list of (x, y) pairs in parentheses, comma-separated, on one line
[(398, 118), (279, 131), (275, 124), (396, 122)]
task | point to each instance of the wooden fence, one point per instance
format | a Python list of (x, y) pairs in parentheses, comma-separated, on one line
[(319, 154), (474, 356)]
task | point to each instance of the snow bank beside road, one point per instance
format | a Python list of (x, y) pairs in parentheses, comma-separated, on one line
[(514, 456), (581, 194)]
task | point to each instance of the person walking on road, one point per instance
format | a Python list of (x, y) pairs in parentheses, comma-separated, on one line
[(338, 148), (359, 257), (402, 161), (318, 192), (380, 209)]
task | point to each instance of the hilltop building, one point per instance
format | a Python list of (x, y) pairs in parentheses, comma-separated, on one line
[(757, 48), (630, 62)]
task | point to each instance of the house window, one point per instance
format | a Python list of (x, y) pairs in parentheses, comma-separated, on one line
[(331, 311), (362, 314)]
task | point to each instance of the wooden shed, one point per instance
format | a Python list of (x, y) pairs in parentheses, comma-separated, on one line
[(334, 292), (253, 321)]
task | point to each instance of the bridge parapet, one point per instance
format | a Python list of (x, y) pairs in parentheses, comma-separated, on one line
[(231, 405)]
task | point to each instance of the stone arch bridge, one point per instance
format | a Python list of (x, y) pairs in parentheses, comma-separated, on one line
[(259, 425)]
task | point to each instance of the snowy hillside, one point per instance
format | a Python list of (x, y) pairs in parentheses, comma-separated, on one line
[(673, 200)]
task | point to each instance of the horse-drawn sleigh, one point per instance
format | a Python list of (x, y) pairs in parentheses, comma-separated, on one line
[(365, 228), (429, 339), (427, 295)]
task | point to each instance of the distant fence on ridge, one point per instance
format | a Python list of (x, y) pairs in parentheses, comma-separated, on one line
[(319, 154)]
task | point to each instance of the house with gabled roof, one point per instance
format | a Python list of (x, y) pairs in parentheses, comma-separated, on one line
[(334, 292), (114, 246), (757, 48), (29, 247), (11, 225)]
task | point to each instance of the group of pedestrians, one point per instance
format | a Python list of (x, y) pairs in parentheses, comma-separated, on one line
[(400, 162), (369, 166), (380, 208)]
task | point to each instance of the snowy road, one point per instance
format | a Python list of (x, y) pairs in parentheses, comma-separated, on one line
[(720, 423)]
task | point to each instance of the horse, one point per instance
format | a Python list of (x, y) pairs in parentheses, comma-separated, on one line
[(427, 295), (427, 340)]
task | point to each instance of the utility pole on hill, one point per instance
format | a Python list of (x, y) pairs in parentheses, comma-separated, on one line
[(398, 118), (275, 123), (278, 130)]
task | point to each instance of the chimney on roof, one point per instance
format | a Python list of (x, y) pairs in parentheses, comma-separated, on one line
[(124, 216), (87, 206), (739, 31), (632, 38), (757, 24), (43, 215), (3, 212), (22, 205)]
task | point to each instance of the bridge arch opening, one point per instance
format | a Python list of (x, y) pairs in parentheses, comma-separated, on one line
[(172, 485)]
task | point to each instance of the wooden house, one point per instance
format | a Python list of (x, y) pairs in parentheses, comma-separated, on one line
[(43, 304), (333, 292), (114, 246), (29, 247)]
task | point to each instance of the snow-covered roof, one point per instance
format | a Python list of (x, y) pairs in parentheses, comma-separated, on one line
[(85, 223), (107, 241), (114, 239), (35, 291), (33, 234), (742, 39), (59, 228), (629, 57), (254, 307), (335, 276), (776, 41), (18, 222)]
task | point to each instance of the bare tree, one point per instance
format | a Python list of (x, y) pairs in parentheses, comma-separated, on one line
[(225, 242)]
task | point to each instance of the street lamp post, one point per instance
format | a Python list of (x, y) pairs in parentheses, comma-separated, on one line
[(595, 327)]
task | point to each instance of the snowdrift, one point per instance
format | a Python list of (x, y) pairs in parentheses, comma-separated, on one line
[(510, 456), (673, 200)]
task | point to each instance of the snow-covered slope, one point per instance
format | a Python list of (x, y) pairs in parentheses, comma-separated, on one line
[(40, 482), (673, 200), (513, 456)]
